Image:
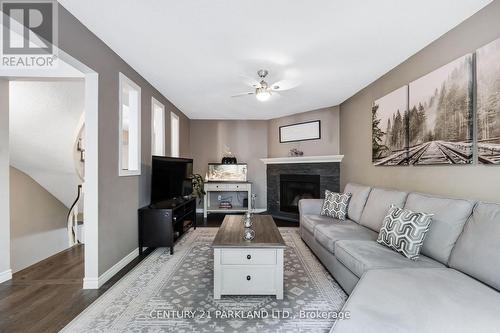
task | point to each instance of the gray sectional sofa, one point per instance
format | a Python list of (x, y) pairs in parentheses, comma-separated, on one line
[(453, 287)]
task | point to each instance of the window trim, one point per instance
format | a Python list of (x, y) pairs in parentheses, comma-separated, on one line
[(155, 102), (122, 81), (174, 115)]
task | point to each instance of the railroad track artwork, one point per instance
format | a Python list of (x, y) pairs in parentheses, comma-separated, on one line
[(433, 153), (488, 153)]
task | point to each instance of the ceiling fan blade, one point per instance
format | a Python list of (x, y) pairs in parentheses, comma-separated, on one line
[(284, 85), (244, 94), (250, 81)]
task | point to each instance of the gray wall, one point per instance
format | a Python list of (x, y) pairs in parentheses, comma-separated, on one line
[(329, 144), (247, 140), (37, 232), (4, 177), (119, 197), (478, 182)]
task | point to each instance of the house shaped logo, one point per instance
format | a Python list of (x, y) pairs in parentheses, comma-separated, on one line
[(29, 33)]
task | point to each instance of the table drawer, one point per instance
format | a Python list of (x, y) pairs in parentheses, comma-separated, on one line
[(248, 257), (248, 280), (227, 187)]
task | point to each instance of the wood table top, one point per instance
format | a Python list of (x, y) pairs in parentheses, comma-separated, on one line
[(230, 233)]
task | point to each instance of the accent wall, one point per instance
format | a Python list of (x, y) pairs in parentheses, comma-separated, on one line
[(466, 181)]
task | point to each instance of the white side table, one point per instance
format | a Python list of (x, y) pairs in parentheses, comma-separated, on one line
[(211, 187)]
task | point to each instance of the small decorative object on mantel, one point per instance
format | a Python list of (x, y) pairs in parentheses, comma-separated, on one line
[(228, 157), (294, 152), (248, 234)]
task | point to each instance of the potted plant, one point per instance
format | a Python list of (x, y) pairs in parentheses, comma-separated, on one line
[(198, 186)]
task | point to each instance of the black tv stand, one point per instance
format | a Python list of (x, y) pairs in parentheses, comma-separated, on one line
[(162, 223)]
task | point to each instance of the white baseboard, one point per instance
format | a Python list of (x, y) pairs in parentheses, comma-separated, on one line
[(6, 275), (96, 283), (90, 283)]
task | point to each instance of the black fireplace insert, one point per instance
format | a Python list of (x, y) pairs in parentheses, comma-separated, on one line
[(296, 187)]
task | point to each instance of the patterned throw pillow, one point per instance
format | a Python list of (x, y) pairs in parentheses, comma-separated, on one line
[(335, 204), (404, 231)]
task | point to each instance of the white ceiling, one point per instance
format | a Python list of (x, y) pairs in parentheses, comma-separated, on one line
[(195, 51)]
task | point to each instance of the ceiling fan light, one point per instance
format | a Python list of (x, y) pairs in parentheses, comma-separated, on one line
[(262, 95)]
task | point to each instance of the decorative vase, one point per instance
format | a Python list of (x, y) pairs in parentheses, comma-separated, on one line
[(248, 222), (248, 234)]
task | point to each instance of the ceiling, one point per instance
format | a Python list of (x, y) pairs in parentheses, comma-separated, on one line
[(197, 52)]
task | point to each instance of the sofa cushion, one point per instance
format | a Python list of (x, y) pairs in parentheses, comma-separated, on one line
[(309, 222), (378, 204), (477, 251), (420, 300), (404, 231), (358, 200), (328, 233), (362, 256), (448, 221)]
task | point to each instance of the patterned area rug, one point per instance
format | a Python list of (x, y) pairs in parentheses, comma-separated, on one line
[(174, 293)]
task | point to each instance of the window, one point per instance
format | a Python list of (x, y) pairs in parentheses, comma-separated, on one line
[(157, 128), (174, 135), (130, 127)]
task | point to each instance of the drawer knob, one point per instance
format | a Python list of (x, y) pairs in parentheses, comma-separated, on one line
[(248, 277), (249, 257)]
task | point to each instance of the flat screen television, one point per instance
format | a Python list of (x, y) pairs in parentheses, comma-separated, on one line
[(170, 178)]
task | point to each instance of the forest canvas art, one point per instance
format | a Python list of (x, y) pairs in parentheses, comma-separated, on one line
[(440, 115), (488, 103), (389, 128)]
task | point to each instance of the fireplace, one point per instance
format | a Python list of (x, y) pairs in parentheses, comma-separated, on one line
[(287, 183), (296, 187)]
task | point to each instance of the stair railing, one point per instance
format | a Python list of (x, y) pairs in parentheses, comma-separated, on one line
[(72, 219)]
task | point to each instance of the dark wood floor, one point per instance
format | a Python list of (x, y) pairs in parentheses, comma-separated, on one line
[(48, 295), (215, 220)]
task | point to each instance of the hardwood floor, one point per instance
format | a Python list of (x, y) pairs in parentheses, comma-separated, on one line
[(47, 295), (215, 220)]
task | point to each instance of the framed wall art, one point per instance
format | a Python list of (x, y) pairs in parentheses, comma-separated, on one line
[(389, 128), (310, 130), (488, 103), (440, 118)]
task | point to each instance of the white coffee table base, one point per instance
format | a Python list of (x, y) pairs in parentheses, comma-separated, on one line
[(248, 271)]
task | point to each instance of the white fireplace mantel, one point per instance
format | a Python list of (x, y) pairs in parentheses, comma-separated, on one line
[(303, 159)]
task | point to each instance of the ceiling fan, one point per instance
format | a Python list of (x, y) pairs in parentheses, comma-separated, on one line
[(263, 90)]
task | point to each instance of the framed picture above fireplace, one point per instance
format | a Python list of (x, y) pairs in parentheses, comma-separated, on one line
[(310, 130)]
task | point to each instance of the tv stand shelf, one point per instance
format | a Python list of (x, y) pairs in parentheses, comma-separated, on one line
[(161, 224), (211, 187)]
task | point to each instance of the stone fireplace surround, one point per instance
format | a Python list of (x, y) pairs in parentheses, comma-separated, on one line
[(326, 167)]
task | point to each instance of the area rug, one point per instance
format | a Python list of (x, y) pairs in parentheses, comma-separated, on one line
[(174, 293)]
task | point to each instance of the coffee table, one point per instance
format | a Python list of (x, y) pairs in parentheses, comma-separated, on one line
[(248, 267)]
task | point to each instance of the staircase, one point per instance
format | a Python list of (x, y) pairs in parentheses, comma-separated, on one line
[(46, 141), (75, 213)]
